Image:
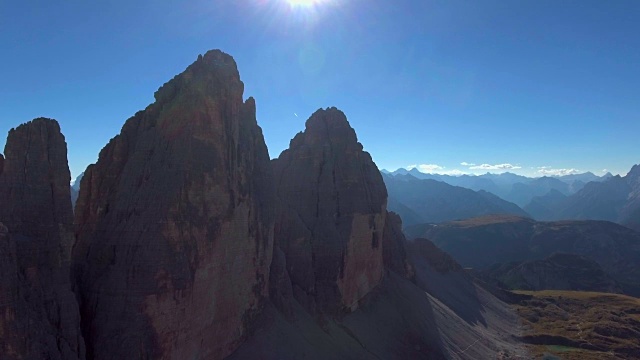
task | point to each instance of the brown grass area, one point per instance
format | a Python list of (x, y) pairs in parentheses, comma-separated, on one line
[(580, 325), (489, 220)]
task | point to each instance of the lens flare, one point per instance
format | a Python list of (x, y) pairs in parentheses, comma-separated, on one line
[(304, 3)]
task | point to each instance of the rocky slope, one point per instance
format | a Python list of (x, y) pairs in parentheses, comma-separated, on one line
[(484, 241), (175, 223), (431, 201), (39, 315)]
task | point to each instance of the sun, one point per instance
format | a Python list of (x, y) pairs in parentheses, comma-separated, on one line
[(304, 3)]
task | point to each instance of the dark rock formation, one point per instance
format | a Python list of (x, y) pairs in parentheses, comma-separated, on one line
[(334, 211), (39, 315), (175, 223), (394, 252)]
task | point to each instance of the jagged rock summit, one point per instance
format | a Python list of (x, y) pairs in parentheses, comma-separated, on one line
[(334, 211), (39, 316), (175, 225)]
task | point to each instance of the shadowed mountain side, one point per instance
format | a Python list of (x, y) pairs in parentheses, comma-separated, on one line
[(556, 272), (484, 241), (398, 320), (544, 207), (333, 212), (39, 317), (431, 201), (522, 193), (175, 223), (634, 221)]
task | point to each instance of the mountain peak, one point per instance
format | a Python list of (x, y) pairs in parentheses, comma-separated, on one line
[(634, 172), (326, 127), (214, 74), (330, 123)]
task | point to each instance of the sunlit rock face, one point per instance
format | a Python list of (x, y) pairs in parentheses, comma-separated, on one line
[(333, 210), (39, 316), (174, 223)]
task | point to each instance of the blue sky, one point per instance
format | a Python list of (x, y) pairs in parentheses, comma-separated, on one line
[(520, 84)]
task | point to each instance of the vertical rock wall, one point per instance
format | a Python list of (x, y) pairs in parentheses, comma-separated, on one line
[(175, 225), (39, 316)]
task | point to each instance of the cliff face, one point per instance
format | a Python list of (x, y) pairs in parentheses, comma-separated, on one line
[(174, 224), (38, 312), (334, 211), (394, 247)]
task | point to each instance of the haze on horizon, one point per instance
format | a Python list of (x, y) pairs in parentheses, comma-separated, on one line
[(533, 87)]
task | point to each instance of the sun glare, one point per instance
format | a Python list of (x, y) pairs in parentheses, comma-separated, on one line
[(303, 2)]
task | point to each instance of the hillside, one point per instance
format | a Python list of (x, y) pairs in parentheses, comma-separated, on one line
[(431, 201), (580, 325), (484, 241), (555, 272)]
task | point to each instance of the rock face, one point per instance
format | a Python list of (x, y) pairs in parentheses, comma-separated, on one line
[(175, 223), (333, 215), (394, 247), (39, 315)]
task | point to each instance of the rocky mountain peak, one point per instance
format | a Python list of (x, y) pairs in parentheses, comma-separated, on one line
[(214, 74), (175, 223), (329, 126), (34, 185), (38, 312), (633, 177), (333, 217)]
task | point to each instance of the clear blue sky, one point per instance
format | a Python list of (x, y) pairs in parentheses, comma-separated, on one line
[(527, 83)]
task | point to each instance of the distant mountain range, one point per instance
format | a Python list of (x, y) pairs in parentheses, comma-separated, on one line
[(75, 189), (514, 188), (616, 199), (485, 241), (431, 201)]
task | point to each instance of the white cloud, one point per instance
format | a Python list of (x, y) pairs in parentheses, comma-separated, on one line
[(453, 172), (546, 170), (464, 163), (435, 169), (495, 167)]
